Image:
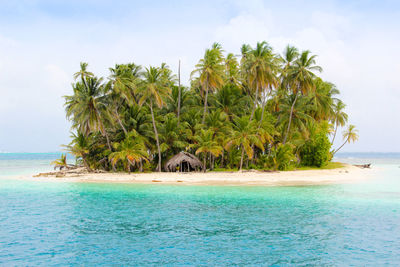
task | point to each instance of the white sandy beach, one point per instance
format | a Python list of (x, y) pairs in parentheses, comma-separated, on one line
[(347, 174)]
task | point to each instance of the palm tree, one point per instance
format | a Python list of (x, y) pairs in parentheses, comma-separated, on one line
[(167, 76), (244, 71), (88, 108), (211, 73), (183, 102), (79, 147), (290, 55), (231, 101), (83, 73), (131, 151), (155, 91), (265, 124), (277, 96), (193, 118), (173, 137), (179, 91), (232, 70), (123, 82), (248, 104), (60, 163), (339, 117), (260, 67), (117, 105), (244, 134), (244, 50), (323, 99), (206, 144), (301, 80), (294, 112), (139, 119), (216, 121), (350, 135)]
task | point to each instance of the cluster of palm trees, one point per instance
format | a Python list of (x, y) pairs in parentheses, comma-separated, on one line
[(254, 110)]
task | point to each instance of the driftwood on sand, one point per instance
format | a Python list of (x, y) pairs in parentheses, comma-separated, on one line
[(65, 167), (70, 172), (363, 166), (183, 162)]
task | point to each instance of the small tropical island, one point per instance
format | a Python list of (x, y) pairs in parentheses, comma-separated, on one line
[(257, 112)]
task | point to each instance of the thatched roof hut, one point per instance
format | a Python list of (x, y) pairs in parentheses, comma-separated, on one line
[(183, 162)]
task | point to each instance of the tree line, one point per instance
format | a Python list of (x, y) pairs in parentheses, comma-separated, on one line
[(259, 110)]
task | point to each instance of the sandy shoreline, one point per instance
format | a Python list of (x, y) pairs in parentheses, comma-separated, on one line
[(347, 174)]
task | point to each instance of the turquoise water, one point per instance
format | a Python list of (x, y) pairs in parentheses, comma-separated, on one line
[(48, 223)]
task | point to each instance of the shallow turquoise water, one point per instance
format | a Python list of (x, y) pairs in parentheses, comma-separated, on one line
[(47, 223)]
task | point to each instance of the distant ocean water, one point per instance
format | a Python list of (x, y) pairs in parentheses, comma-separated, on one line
[(371, 157), (27, 163), (48, 223)]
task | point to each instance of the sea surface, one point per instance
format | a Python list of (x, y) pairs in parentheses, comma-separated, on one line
[(50, 223)]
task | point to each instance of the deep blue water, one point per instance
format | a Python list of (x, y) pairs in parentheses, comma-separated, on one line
[(49, 223)]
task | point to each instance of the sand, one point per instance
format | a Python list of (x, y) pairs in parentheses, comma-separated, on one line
[(346, 174)]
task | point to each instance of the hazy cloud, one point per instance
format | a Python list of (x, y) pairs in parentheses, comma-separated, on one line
[(42, 43)]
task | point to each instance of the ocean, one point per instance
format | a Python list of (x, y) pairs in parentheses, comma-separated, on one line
[(50, 223)]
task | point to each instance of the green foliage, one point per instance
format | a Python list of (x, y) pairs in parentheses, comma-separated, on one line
[(79, 147), (130, 152), (246, 135), (60, 163), (284, 157), (258, 112), (280, 158), (316, 150), (205, 143)]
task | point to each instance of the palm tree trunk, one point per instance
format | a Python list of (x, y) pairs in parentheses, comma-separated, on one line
[(290, 118), (204, 162), (103, 129), (108, 140), (241, 158), (179, 90), (85, 163), (109, 147), (334, 134), (340, 147), (254, 152), (259, 125), (269, 149), (205, 107), (222, 159), (156, 135), (120, 122), (262, 112), (255, 103)]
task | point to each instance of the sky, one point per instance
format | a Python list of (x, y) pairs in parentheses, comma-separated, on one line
[(43, 42)]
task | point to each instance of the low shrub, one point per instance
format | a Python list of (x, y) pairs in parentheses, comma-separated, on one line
[(316, 151), (280, 158)]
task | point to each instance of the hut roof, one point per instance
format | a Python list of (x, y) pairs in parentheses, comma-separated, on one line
[(176, 160)]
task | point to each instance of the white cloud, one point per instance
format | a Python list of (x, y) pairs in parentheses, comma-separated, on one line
[(253, 24), (36, 72), (363, 64)]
